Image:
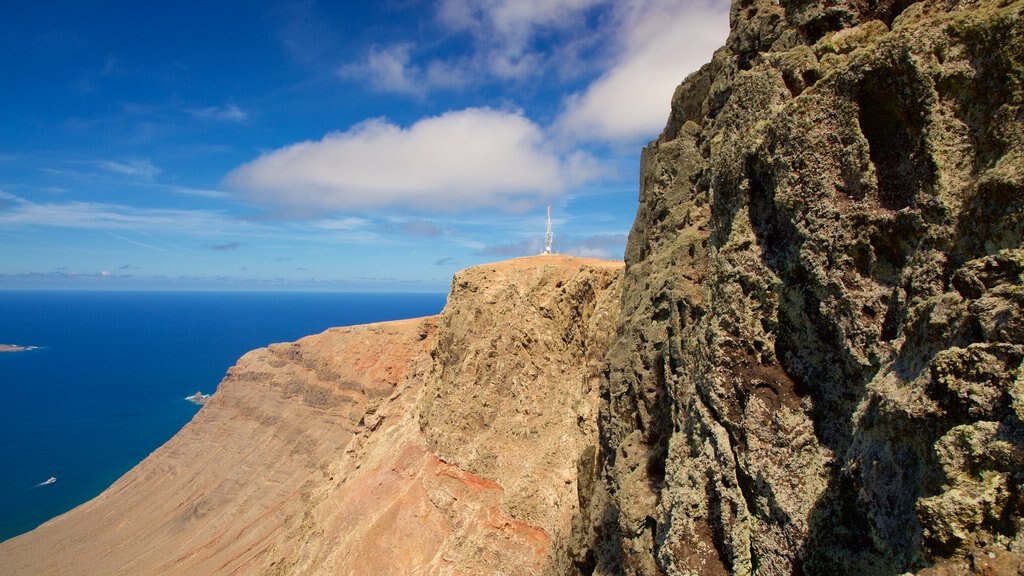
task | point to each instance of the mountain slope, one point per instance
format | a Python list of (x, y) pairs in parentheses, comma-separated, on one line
[(442, 445)]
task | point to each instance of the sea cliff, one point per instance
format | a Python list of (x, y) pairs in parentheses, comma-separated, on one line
[(810, 364), (818, 364), (442, 445)]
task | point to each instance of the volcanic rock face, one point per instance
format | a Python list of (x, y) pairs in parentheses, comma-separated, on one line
[(818, 362), (443, 445)]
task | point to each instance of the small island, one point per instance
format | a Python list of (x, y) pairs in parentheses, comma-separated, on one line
[(15, 348), (198, 398)]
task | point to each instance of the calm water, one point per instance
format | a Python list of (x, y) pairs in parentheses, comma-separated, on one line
[(108, 385)]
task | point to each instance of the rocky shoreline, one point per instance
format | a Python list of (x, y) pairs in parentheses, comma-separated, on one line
[(16, 348)]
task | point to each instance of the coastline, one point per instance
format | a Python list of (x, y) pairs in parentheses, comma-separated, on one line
[(16, 348)]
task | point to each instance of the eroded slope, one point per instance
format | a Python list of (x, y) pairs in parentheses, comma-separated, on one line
[(442, 445)]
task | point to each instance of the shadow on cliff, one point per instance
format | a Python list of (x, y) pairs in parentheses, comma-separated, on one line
[(811, 351)]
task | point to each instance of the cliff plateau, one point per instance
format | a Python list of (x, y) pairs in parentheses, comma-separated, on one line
[(818, 363), (442, 445)]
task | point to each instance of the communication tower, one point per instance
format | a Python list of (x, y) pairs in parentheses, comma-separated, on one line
[(549, 236)]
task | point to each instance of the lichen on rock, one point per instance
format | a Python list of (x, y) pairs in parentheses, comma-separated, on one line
[(818, 363)]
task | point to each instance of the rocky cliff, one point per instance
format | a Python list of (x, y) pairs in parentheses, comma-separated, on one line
[(812, 363), (443, 445), (818, 363)]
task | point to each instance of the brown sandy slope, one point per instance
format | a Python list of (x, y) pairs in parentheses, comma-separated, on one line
[(444, 445)]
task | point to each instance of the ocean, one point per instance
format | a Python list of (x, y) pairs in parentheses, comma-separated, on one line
[(107, 384)]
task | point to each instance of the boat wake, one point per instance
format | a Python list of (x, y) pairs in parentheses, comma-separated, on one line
[(46, 482)]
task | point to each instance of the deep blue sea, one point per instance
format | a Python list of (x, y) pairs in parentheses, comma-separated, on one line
[(107, 385)]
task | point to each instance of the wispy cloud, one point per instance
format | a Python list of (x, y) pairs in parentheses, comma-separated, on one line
[(226, 113), (135, 242), (502, 35), (607, 246), (411, 227), (504, 30), (200, 192), (386, 69), (391, 69), (350, 223), (100, 216), (226, 247), (526, 247), (458, 161), (147, 225), (64, 274), (143, 169)]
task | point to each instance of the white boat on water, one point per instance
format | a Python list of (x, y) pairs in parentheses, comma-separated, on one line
[(49, 480)]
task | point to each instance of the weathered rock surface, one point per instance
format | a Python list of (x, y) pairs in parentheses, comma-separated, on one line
[(818, 363), (816, 367), (443, 445)]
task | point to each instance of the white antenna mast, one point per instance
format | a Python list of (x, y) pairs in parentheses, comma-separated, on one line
[(549, 236)]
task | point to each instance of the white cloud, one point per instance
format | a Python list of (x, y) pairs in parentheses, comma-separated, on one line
[(145, 227), (143, 169), (387, 70), (461, 160), (505, 29), (644, 47), (228, 113), (101, 216), (503, 35), (607, 246), (349, 223), (661, 42), (390, 69)]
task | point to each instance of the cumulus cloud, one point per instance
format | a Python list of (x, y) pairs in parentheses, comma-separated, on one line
[(661, 42), (457, 161)]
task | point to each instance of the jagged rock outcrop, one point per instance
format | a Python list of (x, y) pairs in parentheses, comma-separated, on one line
[(444, 445), (818, 363)]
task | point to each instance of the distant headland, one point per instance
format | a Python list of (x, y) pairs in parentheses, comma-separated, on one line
[(16, 348)]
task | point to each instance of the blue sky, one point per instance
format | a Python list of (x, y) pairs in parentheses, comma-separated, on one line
[(326, 145)]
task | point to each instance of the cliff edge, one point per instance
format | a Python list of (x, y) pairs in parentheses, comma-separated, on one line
[(818, 363), (442, 445)]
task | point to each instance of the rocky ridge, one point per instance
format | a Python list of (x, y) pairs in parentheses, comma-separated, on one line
[(818, 363), (443, 445)]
